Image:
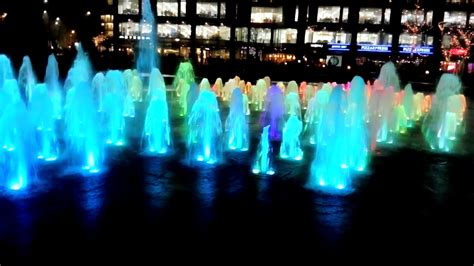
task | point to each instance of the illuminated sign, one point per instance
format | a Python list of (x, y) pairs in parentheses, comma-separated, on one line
[(421, 50), (374, 48), (317, 45), (338, 47)]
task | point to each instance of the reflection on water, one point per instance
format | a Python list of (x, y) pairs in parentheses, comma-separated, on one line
[(332, 215)]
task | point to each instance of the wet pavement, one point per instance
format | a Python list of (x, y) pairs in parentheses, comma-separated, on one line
[(410, 202)]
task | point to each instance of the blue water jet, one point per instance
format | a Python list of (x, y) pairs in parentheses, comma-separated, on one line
[(17, 146), (236, 126), (290, 144), (113, 109), (328, 170), (147, 45), (205, 130), (26, 79), (157, 132), (51, 79), (41, 111), (264, 161)]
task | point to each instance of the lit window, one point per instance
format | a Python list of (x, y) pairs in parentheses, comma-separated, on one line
[(327, 37), (167, 8), (387, 13), (416, 17), (329, 14), (374, 38), (471, 20), (207, 9), (182, 10), (129, 28), (128, 7), (223, 10), (241, 34), (285, 36), (456, 1), (166, 30), (266, 15), (260, 35), (370, 16), (297, 12), (212, 32), (345, 14), (455, 18), (415, 39)]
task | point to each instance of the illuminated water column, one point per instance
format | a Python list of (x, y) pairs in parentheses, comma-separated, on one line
[(274, 112), (357, 133), (156, 131), (290, 144), (183, 80), (439, 125), (17, 145), (205, 130), (26, 79), (51, 79), (236, 126), (113, 109), (329, 170), (41, 111), (263, 162)]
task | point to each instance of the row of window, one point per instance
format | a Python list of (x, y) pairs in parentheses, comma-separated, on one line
[(326, 14), (133, 30), (375, 38)]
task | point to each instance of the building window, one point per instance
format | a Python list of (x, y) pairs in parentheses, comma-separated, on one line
[(182, 9), (285, 36), (241, 34), (223, 11), (206, 32), (108, 24), (266, 15), (455, 18), (457, 1), (416, 17), (128, 7), (374, 38), (387, 13), (129, 29), (297, 13), (345, 14), (471, 20), (167, 8), (415, 39), (329, 14), (370, 16), (327, 37), (260, 35), (181, 31), (207, 9)]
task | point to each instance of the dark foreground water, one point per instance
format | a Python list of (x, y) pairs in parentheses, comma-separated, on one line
[(410, 202)]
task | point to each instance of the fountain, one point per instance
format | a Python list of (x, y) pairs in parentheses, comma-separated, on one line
[(17, 150), (356, 126), (51, 79), (274, 112), (41, 111), (315, 112), (113, 108), (236, 125), (258, 96), (147, 47), (263, 163), (84, 144), (409, 105), (99, 90), (156, 131), (439, 124), (26, 79), (205, 85), (290, 145), (183, 80), (218, 86), (388, 76), (292, 104), (329, 169), (381, 108), (205, 130)]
